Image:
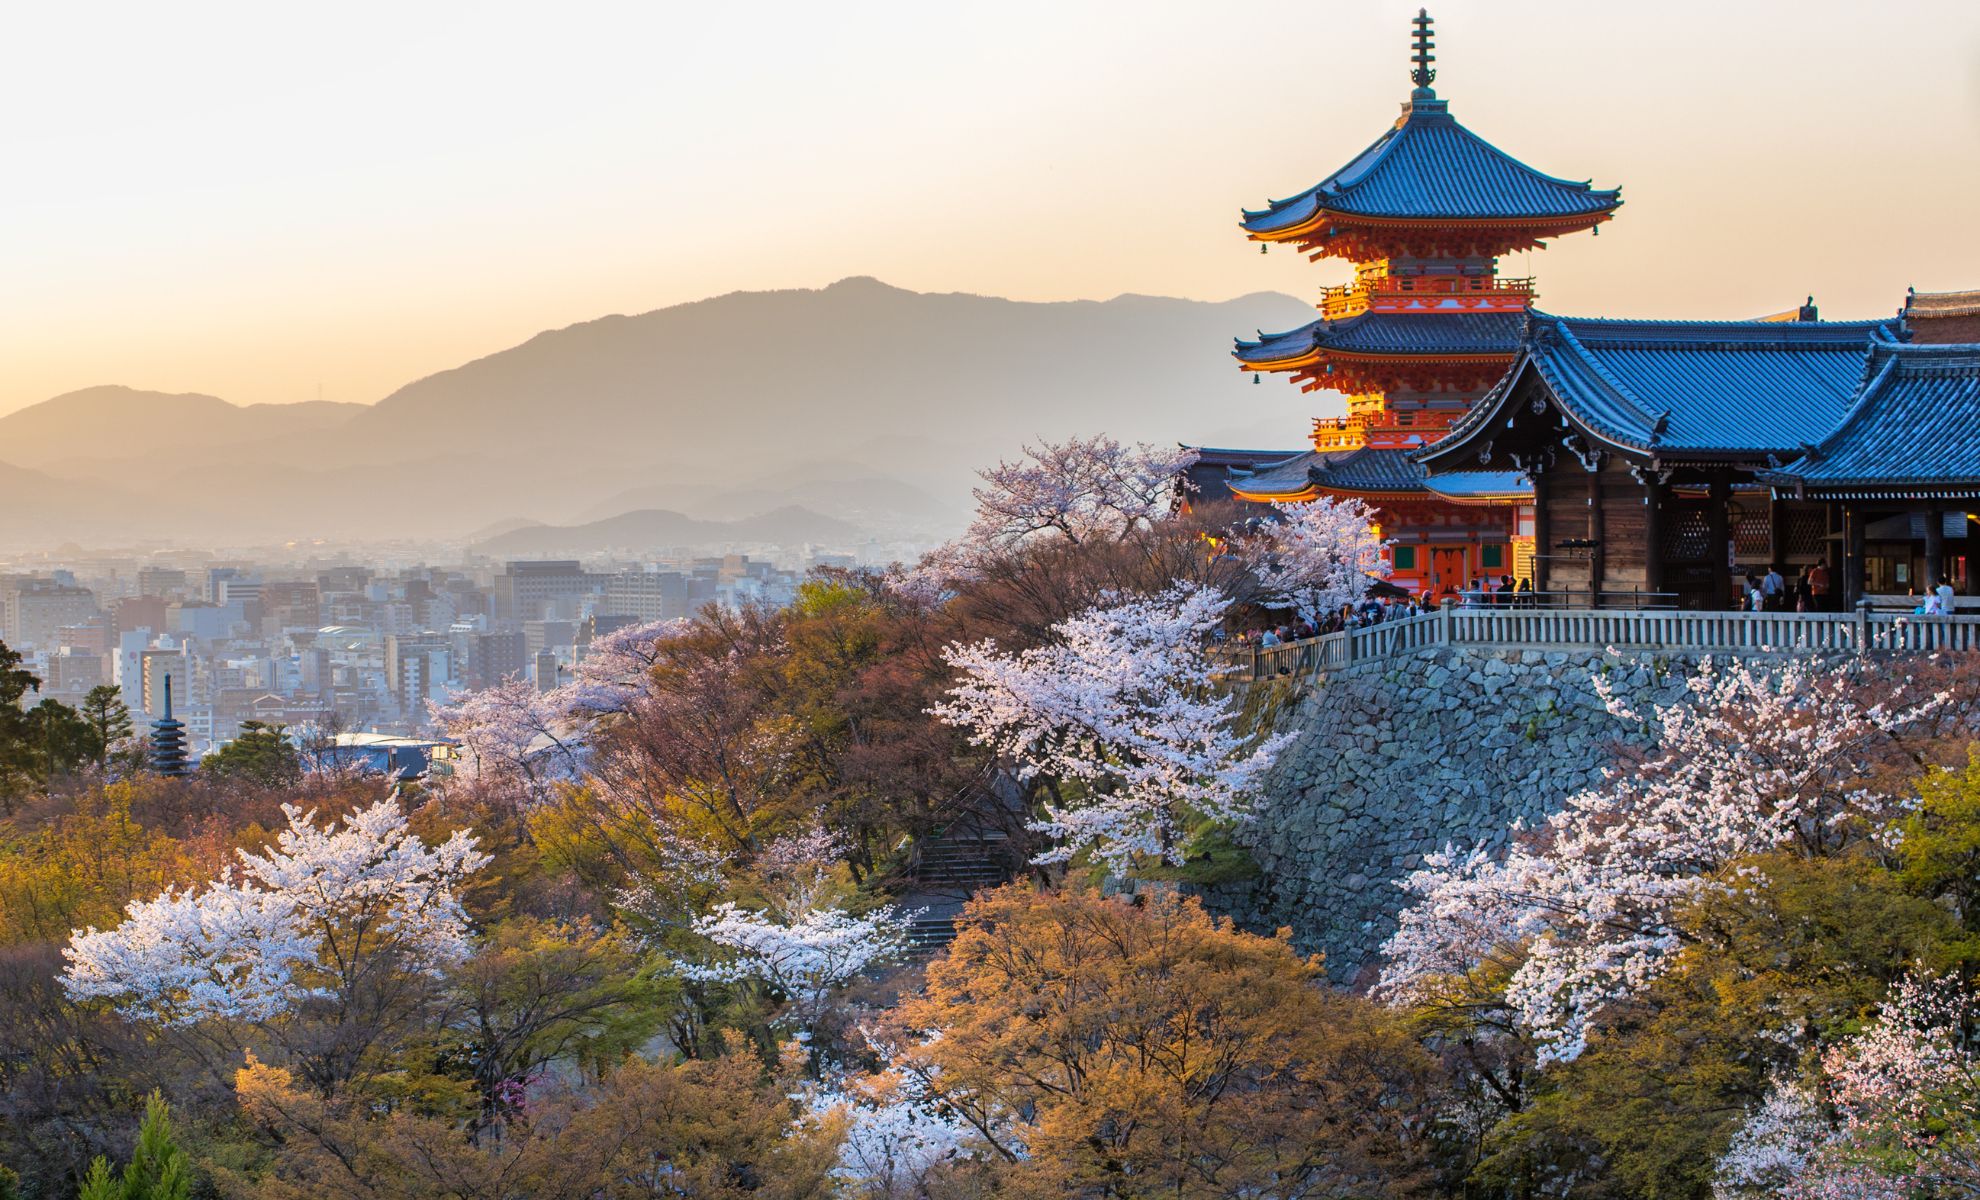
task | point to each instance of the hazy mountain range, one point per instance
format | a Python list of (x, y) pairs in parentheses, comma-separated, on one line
[(856, 409)]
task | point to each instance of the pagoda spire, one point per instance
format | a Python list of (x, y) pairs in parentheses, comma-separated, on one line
[(1423, 43), (168, 740)]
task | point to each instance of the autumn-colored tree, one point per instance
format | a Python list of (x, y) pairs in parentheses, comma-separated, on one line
[(1129, 1048), (82, 866), (719, 1129), (1786, 961)]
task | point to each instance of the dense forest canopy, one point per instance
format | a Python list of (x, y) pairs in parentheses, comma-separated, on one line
[(654, 935)]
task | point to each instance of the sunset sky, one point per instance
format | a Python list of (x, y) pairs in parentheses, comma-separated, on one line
[(263, 200)]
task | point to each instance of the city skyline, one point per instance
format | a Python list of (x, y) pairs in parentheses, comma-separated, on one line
[(245, 206)]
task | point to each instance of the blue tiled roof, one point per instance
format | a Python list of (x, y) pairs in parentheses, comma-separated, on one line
[(1428, 167), (1479, 485), (1914, 428), (1216, 468), (1490, 333), (1368, 469), (1377, 470), (1675, 387), (1287, 478)]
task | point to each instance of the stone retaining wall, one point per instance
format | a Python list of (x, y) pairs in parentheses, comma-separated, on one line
[(1398, 758)]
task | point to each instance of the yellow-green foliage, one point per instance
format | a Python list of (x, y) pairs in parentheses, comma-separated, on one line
[(81, 868)]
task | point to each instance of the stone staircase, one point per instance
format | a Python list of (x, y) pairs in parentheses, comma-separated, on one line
[(949, 870)]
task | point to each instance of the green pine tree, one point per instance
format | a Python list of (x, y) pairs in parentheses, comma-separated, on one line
[(261, 754), (108, 717), (159, 1170)]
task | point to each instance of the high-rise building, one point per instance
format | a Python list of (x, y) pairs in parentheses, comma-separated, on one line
[(527, 590), (155, 665), (648, 595), (37, 609), (418, 668)]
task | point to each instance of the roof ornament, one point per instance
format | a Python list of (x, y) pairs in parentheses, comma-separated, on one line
[(1423, 72)]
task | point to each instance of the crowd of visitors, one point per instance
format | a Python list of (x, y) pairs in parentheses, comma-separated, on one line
[(1773, 593)]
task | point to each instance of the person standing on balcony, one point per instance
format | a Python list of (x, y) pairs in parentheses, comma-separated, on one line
[(1818, 587), (1773, 589)]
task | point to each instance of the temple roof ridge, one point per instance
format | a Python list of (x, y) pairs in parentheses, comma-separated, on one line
[(1912, 432), (1712, 387), (1428, 165)]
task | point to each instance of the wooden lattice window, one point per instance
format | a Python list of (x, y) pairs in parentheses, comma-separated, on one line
[(1807, 532), (1753, 537), (1687, 535)]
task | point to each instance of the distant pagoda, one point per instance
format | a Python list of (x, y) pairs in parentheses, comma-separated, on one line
[(1424, 330), (168, 740)]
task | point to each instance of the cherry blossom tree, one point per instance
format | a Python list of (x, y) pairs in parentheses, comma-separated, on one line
[(802, 945), (516, 740), (1904, 1095), (1114, 717), (526, 742), (1319, 555), (1582, 908), (896, 1134), (327, 916), (616, 670), (1077, 490)]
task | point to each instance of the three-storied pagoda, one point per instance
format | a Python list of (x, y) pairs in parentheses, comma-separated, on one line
[(1425, 328)]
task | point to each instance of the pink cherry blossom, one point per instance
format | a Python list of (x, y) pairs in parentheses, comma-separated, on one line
[(1756, 761), (1115, 711), (302, 920), (1319, 555)]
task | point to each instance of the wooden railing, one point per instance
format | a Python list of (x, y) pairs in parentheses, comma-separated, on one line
[(1860, 632), (1398, 291)]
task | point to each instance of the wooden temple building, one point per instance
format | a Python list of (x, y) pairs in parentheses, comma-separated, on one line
[(1612, 462)]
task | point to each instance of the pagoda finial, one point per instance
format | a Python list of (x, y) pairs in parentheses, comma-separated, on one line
[(1423, 72)]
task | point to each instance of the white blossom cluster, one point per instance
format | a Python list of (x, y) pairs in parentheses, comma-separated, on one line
[(806, 956), (1076, 491), (1903, 1119), (1757, 762), (294, 924), (895, 1133), (801, 945), (1115, 707), (1320, 555), (527, 741)]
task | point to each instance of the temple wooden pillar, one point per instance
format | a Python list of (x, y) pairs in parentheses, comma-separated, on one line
[(1972, 560), (1597, 532), (1776, 533), (1935, 546), (1542, 536), (1852, 572), (1719, 536), (1653, 535)]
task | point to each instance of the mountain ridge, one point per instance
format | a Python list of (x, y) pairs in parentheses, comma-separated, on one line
[(743, 398)]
